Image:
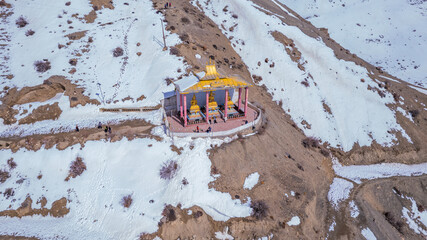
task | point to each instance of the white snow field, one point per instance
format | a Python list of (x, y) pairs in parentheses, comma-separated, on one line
[(134, 23), (104, 77), (113, 171), (358, 115), (390, 34)]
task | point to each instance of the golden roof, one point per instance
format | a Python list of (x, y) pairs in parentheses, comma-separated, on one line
[(213, 81)]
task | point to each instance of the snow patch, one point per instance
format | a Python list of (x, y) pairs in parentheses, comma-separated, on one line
[(415, 218), (295, 221), (354, 210), (224, 235), (339, 190), (251, 181), (357, 173), (368, 234)]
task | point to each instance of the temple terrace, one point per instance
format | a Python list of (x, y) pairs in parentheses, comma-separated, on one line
[(206, 102)]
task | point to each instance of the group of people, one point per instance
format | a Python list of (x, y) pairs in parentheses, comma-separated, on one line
[(214, 120), (106, 129), (168, 5), (207, 130)]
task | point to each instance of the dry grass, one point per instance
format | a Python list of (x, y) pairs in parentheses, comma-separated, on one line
[(395, 223), (4, 175), (21, 22), (126, 201), (414, 113), (174, 51), (73, 62), (305, 83), (30, 32), (118, 52), (9, 192), (42, 66), (169, 213), (168, 169), (11, 163), (77, 167), (324, 152), (184, 181), (259, 209), (310, 142)]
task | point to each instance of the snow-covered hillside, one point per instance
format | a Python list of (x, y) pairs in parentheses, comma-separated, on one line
[(328, 98), (389, 34), (113, 170), (104, 77)]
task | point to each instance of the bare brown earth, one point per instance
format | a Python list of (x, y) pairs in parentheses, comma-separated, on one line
[(58, 209), (98, 4), (40, 93), (45, 112), (276, 152), (12, 237), (129, 129), (381, 202)]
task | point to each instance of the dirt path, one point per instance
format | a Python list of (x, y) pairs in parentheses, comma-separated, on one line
[(380, 207), (129, 129)]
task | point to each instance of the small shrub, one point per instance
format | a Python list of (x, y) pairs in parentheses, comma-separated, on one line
[(310, 142), (259, 209), (184, 37), (42, 66), (30, 32), (126, 201), (324, 152), (235, 16), (185, 20), (8, 193), (118, 51), (184, 181), (21, 22), (4, 175), (11, 163), (73, 62), (174, 51), (198, 214), (395, 223), (305, 83), (257, 78), (77, 167), (169, 213), (300, 167), (168, 169), (414, 113), (169, 81)]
